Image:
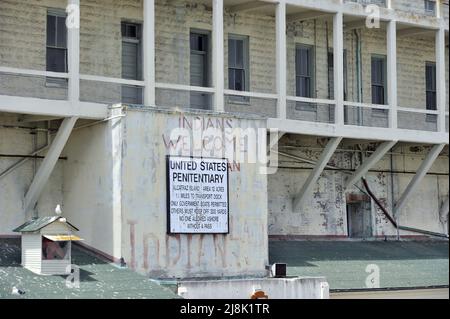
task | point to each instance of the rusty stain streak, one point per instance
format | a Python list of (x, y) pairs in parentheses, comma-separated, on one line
[(189, 242), (132, 244), (146, 239), (178, 256), (200, 248), (220, 245), (167, 251)]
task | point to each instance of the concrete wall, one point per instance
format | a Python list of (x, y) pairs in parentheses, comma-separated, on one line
[(115, 192), (92, 185), (13, 186), (273, 288), (147, 247), (324, 213)]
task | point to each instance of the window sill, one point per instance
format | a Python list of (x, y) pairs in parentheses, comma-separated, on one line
[(238, 101), (54, 85), (381, 114)]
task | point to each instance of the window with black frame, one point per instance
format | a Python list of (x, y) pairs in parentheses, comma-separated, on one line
[(430, 90), (430, 7), (304, 76), (131, 61), (56, 49), (238, 66), (379, 95)]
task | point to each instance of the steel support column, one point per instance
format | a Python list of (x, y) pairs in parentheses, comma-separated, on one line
[(48, 164), (421, 172), (370, 162), (315, 174)]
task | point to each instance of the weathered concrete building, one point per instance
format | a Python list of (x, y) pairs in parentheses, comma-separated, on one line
[(88, 111)]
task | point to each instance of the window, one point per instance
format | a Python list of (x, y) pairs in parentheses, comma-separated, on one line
[(131, 62), (131, 51), (379, 95), (378, 80), (56, 46), (199, 43), (238, 65), (304, 76), (430, 6), (199, 68), (430, 83), (304, 71)]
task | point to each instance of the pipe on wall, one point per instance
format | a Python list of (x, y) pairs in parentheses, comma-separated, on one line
[(26, 158), (359, 94), (393, 222)]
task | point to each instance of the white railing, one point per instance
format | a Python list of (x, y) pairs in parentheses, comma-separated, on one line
[(257, 95), (182, 87), (112, 80), (310, 100), (17, 71), (211, 90), (367, 105), (417, 110)]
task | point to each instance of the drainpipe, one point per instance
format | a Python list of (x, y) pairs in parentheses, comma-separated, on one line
[(42, 149), (392, 194), (359, 94)]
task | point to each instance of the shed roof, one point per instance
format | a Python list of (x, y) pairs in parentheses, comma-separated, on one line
[(38, 223), (99, 279)]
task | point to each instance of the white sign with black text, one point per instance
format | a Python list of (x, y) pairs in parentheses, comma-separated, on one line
[(197, 195)]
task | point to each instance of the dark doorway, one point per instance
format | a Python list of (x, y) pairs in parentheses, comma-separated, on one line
[(359, 219)]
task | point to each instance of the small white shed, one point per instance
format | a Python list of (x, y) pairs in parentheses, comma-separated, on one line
[(47, 245)]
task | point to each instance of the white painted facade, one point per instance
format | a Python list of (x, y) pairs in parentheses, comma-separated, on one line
[(110, 175)]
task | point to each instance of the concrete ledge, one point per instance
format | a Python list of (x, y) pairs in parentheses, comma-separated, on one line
[(337, 238), (273, 288)]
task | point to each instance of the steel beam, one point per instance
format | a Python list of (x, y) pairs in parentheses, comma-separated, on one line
[(421, 172), (56, 108), (315, 174), (48, 164), (370, 162)]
